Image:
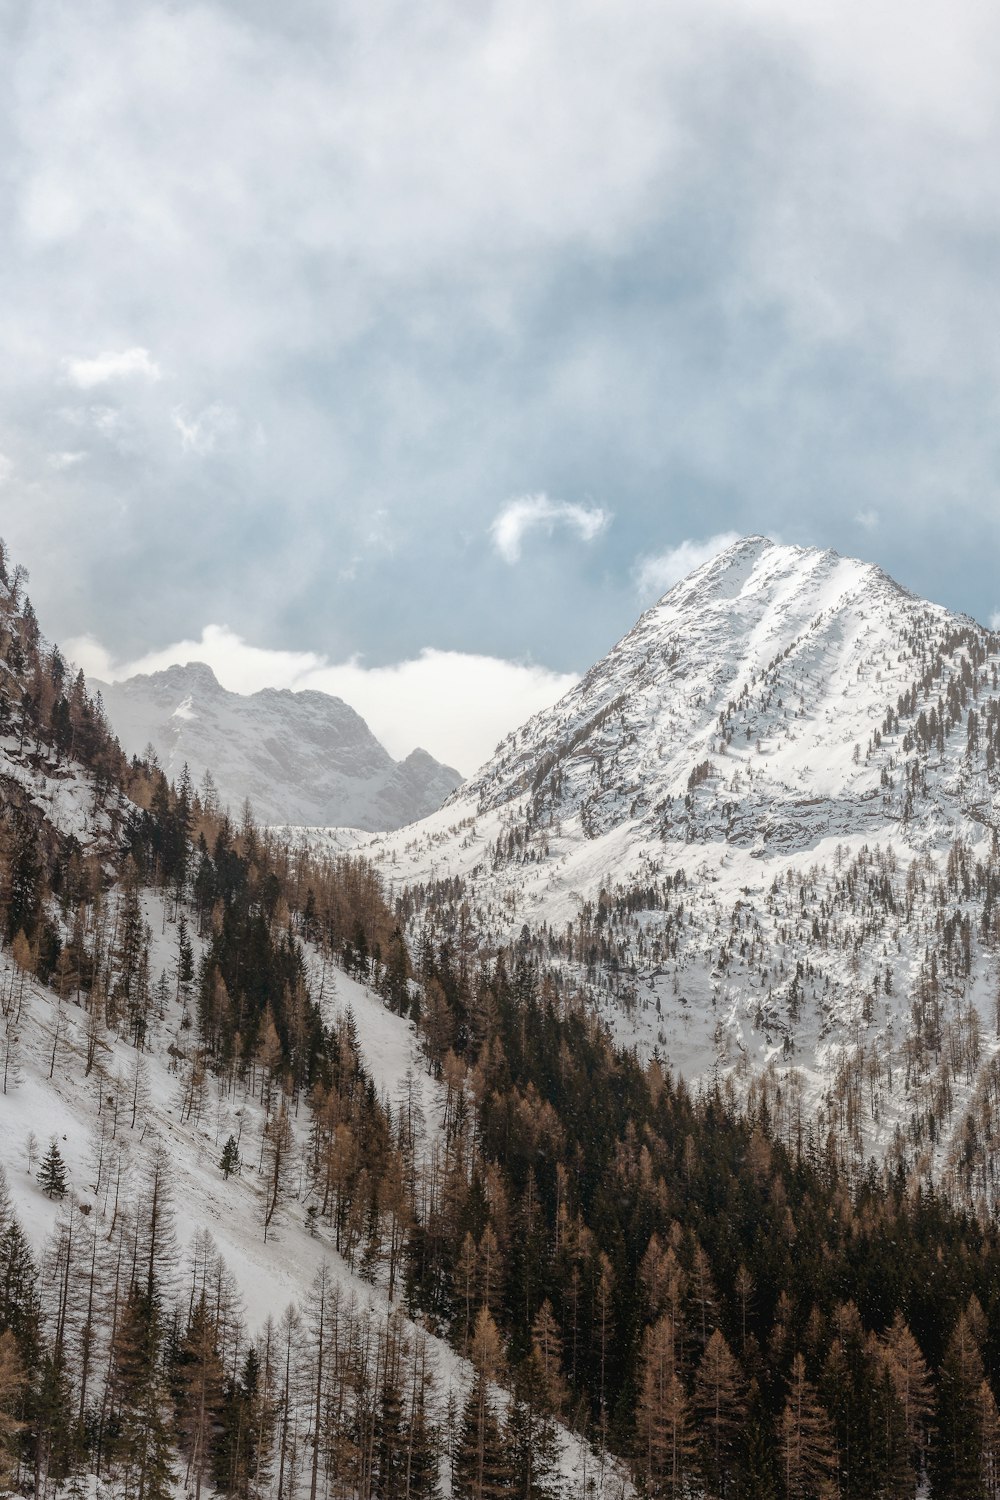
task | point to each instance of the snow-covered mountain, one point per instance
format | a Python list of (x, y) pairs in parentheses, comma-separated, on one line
[(300, 757), (761, 832)]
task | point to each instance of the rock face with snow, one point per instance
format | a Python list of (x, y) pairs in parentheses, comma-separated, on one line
[(300, 757), (751, 704), (761, 833)]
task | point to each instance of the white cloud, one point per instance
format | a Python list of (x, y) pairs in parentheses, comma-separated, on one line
[(204, 431), (59, 461), (995, 620), (867, 519), (122, 364), (455, 704), (539, 513), (6, 468), (655, 574)]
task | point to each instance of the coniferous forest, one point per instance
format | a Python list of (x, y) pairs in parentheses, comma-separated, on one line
[(706, 1295)]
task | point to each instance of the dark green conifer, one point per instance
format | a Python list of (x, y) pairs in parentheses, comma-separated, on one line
[(230, 1161), (52, 1172), (482, 1467), (532, 1441)]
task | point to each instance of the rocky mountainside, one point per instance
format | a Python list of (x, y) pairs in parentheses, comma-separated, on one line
[(762, 833), (300, 757)]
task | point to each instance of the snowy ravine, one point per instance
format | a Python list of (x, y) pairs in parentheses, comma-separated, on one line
[(761, 832)]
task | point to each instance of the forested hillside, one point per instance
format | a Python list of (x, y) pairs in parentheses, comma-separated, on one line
[(291, 1210)]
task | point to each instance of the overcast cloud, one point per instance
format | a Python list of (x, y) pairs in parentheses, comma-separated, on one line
[(354, 323)]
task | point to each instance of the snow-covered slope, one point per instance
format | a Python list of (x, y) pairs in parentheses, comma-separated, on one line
[(300, 757), (761, 831), (48, 1093)]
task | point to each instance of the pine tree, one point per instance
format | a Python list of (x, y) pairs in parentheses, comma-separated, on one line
[(531, 1433), (664, 1441), (198, 1379), (51, 1425), (20, 1306), (140, 1438), (423, 1478), (957, 1457), (277, 1144), (482, 1469), (989, 1423), (912, 1383), (547, 1343), (11, 1386), (230, 1161), (805, 1437), (52, 1172), (720, 1407), (242, 1453), (855, 1398)]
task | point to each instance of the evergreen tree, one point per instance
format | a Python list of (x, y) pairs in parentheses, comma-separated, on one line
[(957, 1456), (11, 1386), (532, 1442), (20, 1305), (242, 1452), (230, 1161), (198, 1380), (861, 1407), (720, 1407), (664, 1441), (805, 1436), (911, 1381), (140, 1435), (424, 1442), (52, 1172), (51, 1429), (482, 1468)]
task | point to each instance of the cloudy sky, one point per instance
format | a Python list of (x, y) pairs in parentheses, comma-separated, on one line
[(411, 349)]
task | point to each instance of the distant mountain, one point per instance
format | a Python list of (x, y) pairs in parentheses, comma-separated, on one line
[(301, 758), (763, 832)]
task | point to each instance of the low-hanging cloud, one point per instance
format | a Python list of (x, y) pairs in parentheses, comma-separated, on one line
[(455, 704), (655, 574), (122, 364), (538, 513)]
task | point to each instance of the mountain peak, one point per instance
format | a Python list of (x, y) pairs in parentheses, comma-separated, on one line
[(754, 833), (191, 677), (769, 664), (300, 757), (756, 564)]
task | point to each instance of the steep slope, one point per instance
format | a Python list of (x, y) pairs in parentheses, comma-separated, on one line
[(300, 757), (762, 833), (162, 994)]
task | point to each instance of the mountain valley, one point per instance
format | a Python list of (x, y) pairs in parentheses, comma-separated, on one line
[(624, 1127)]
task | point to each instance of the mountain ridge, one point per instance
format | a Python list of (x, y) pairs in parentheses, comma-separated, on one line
[(298, 756)]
